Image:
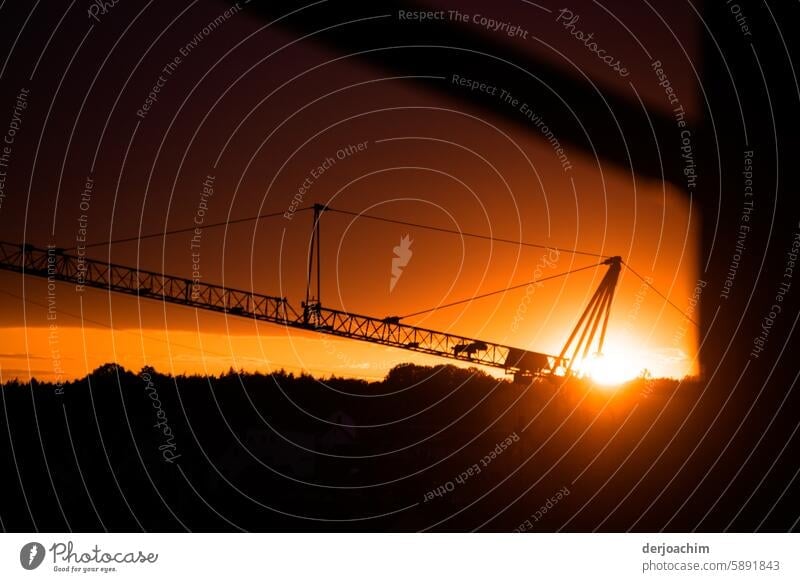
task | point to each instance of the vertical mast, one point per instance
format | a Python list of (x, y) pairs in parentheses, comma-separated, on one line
[(312, 303)]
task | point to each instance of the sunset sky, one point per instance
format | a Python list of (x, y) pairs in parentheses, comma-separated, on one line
[(261, 123)]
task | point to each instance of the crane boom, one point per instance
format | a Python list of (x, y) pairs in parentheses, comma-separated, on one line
[(54, 263)]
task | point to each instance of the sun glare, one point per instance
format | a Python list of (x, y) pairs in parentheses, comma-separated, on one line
[(610, 369)]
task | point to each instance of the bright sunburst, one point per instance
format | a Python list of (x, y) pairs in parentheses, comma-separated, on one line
[(610, 369)]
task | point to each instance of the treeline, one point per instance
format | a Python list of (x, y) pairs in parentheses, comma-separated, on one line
[(427, 447)]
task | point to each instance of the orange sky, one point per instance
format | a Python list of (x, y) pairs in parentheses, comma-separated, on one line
[(427, 159)]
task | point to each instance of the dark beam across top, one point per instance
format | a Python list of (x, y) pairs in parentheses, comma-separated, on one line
[(583, 116)]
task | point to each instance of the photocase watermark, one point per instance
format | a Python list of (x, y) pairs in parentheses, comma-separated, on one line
[(768, 321), (206, 31), (540, 124), (630, 319), (167, 447), (347, 361), (197, 234), (81, 235), (507, 98), (31, 555), (548, 505), (548, 260), (474, 470), (14, 125), (691, 310), (686, 148), (568, 19), (507, 28), (100, 8), (400, 260), (744, 226), (741, 19), (53, 340), (316, 173), (680, 333), (638, 301), (96, 559), (172, 66), (66, 559)]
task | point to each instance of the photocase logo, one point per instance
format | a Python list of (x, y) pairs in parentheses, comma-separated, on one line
[(31, 555), (402, 256)]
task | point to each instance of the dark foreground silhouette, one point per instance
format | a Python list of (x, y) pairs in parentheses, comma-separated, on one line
[(437, 448)]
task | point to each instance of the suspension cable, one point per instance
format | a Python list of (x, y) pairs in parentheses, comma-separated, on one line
[(416, 225), (467, 234), (181, 230), (664, 297), (499, 291)]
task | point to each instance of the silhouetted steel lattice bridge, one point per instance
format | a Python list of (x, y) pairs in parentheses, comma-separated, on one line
[(58, 264)]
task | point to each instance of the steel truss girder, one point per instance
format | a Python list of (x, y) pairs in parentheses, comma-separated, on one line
[(56, 264)]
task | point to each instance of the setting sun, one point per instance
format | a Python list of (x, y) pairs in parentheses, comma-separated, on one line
[(610, 369)]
